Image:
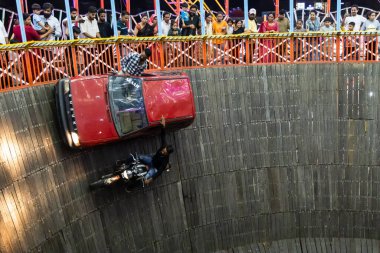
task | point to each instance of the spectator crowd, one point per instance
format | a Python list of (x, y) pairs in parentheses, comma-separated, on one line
[(42, 25)]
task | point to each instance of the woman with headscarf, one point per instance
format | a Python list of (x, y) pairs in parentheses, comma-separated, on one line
[(153, 23)]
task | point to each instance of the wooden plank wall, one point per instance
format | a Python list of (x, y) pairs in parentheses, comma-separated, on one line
[(281, 158)]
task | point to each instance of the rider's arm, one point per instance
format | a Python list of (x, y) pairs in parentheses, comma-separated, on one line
[(163, 131)]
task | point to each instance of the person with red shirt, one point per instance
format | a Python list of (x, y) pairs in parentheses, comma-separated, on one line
[(31, 34), (266, 53)]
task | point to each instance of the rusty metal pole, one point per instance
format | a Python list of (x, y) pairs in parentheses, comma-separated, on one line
[(178, 7), (227, 6), (328, 7), (277, 7)]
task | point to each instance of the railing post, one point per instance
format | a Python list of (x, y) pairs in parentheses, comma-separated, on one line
[(337, 50), (118, 57), (227, 6), (29, 77), (75, 59), (204, 51), (162, 53), (292, 48), (248, 50), (277, 8)]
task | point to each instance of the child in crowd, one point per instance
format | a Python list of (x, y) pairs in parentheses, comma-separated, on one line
[(299, 42), (351, 27), (76, 32), (328, 25), (231, 26), (328, 45), (174, 30), (184, 14), (38, 25), (299, 26), (350, 44)]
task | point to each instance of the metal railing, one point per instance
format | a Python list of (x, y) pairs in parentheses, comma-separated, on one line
[(36, 63)]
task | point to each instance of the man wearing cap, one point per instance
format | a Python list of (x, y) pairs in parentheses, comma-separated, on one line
[(252, 24), (134, 64), (252, 28)]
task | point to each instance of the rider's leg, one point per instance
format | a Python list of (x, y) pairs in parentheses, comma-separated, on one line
[(151, 172), (146, 159)]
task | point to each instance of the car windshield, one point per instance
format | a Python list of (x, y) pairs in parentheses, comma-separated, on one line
[(127, 104)]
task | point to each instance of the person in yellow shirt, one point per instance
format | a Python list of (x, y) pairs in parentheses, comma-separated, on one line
[(252, 28), (252, 24), (219, 27)]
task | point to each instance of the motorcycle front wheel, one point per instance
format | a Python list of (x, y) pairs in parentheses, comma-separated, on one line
[(104, 181)]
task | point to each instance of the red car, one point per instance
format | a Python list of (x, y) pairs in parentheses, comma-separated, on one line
[(100, 109)]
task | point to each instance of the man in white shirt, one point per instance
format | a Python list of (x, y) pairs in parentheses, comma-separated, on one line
[(166, 24), (3, 34), (357, 19), (90, 28), (52, 21)]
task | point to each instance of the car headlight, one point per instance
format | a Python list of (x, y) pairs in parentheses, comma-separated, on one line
[(66, 87), (75, 138)]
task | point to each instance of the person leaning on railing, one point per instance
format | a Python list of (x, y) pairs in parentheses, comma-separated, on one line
[(299, 43), (75, 20), (219, 27), (328, 42), (238, 50), (283, 22), (313, 25), (105, 29), (252, 28), (355, 17), (350, 44), (143, 29), (371, 25), (266, 54), (122, 28), (190, 27), (89, 26), (50, 21), (166, 24), (31, 34), (134, 64)]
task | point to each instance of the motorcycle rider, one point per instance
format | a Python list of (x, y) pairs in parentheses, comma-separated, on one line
[(158, 162)]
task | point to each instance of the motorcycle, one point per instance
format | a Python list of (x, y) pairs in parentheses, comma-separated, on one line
[(130, 171)]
